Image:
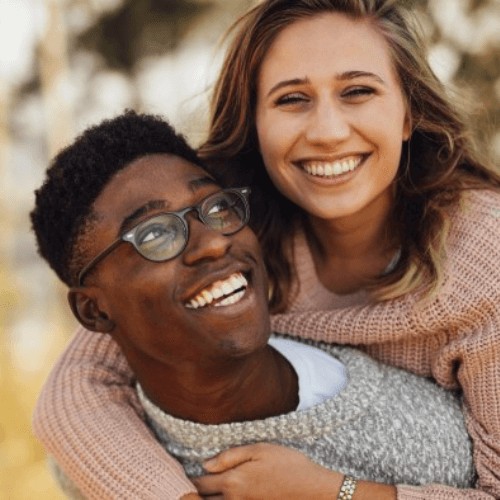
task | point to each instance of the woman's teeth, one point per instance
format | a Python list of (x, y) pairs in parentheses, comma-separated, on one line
[(230, 290), (333, 168)]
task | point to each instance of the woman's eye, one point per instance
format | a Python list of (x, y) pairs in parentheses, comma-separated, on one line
[(355, 93), (293, 98)]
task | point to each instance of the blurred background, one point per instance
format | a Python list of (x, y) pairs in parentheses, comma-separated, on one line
[(66, 64)]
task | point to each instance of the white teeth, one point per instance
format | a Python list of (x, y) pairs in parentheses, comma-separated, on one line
[(236, 282), (207, 296), (329, 169), (232, 299), (219, 289)]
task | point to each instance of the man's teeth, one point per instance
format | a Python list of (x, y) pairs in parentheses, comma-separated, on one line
[(232, 299), (333, 168), (224, 288)]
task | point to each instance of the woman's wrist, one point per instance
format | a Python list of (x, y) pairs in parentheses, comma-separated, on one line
[(347, 488), (367, 490)]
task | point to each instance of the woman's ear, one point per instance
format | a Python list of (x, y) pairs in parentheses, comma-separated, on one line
[(407, 127), (85, 307)]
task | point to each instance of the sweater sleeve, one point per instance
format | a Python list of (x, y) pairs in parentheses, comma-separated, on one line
[(89, 419), (453, 337)]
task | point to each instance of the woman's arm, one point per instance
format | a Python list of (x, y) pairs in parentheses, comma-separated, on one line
[(90, 421), (271, 471), (278, 474), (453, 337)]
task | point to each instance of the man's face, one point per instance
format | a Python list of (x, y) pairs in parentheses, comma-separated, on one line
[(157, 307)]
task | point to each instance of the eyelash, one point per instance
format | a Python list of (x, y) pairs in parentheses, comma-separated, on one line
[(358, 92), (291, 99), (350, 93)]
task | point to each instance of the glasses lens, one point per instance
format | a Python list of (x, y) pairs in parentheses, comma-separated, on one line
[(225, 212), (160, 238)]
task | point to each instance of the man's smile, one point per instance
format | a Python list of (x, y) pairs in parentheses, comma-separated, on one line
[(220, 293)]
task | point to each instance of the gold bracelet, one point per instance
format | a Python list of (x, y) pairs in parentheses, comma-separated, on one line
[(347, 489)]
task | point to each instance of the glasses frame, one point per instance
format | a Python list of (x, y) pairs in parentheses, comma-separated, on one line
[(129, 235)]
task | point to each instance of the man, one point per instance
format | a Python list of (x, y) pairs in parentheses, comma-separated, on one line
[(158, 256)]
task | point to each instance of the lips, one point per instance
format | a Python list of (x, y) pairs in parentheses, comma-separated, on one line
[(221, 293), (321, 168)]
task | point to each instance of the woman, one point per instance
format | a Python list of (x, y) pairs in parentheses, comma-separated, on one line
[(379, 216)]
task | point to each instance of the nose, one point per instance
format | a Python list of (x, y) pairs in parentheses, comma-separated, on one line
[(328, 124), (204, 243)]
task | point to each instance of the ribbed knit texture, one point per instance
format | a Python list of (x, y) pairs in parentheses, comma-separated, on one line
[(88, 406), (87, 413), (386, 425), (454, 337)]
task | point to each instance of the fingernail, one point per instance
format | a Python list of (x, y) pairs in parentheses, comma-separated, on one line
[(211, 462)]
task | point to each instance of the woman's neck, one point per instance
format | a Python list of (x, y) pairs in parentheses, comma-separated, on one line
[(349, 252)]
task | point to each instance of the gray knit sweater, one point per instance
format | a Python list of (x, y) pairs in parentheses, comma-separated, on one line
[(387, 425)]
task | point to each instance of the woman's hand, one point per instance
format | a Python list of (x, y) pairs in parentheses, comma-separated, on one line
[(266, 471)]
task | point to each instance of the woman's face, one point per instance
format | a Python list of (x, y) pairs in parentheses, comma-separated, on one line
[(331, 116)]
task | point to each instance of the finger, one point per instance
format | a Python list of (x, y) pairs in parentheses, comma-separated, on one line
[(209, 485), (230, 458)]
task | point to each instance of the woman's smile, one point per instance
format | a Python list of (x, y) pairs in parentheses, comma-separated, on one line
[(331, 122), (332, 168), (331, 172)]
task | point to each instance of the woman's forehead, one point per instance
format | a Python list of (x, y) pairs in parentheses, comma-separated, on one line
[(333, 40)]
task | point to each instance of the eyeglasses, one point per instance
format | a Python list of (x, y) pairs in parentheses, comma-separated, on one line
[(164, 236)]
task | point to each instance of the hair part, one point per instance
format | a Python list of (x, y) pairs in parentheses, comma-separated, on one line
[(63, 214), (440, 160)]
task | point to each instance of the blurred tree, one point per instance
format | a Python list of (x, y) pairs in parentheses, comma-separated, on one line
[(140, 28), (129, 31)]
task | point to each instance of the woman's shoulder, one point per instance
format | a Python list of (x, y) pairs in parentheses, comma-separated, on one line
[(477, 216), (482, 205), (473, 247)]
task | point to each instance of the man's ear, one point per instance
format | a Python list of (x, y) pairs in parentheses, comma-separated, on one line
[(85, 306)]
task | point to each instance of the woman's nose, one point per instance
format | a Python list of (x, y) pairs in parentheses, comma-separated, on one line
[(204, 243), (328, 124)]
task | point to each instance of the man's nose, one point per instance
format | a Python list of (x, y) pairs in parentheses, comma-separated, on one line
[(204, 243), (327, 124)]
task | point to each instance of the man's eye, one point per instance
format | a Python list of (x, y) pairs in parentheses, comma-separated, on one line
[(220, 206), (152, 234), (156, 233)]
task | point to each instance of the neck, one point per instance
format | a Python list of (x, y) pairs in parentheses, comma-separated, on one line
[(350, 251), (255, 387)]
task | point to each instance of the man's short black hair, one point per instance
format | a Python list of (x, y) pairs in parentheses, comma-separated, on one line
[(79, 173)]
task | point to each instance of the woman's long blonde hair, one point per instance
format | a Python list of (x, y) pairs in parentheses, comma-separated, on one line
[(439, 161)]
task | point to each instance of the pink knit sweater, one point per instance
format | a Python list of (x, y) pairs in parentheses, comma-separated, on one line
[(87, 414)]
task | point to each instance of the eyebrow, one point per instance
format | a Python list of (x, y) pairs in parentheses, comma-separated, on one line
[(351, 75), (346, 75), (194, 185)]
